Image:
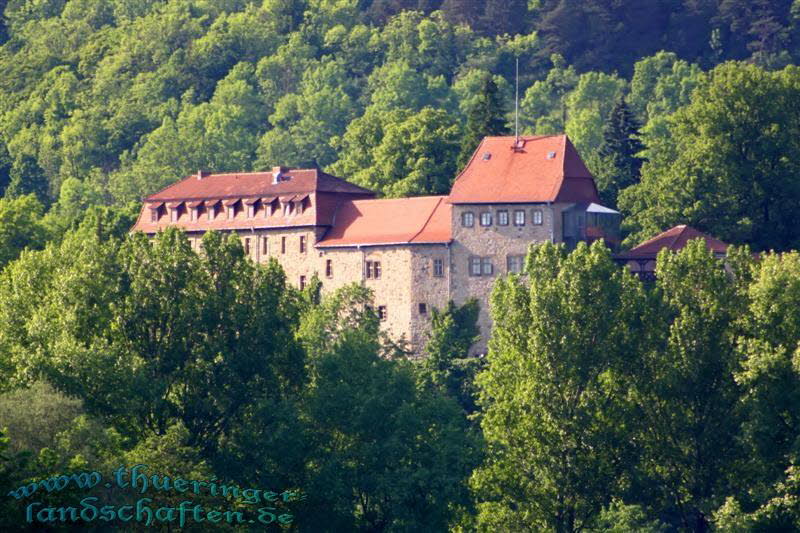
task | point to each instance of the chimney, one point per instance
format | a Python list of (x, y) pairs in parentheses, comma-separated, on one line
[(278, 174), (202, 174)]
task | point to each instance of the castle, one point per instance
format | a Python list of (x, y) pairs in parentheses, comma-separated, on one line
[(414, 253)]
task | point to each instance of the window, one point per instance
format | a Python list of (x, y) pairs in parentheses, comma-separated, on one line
[(329, 268), (174, 213), (231, 211), (302, 244), (502, 218), (468, 219), (264, 248), (480, 266), (373, 269), (302, 282), (423, 309), (515, 263), (474, 266), (251, 210), (486, 266), (247, 245), (486, 219), (154, 215), (519, 217), (438, 268), (382, 312), (212, 210), (283, 245), (536, 217)]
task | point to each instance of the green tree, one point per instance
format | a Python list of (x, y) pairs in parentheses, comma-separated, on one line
[(728, 164), (620, 148), (388, 454), (685, 390), (770, 376), (484, 119), (400, 153), (149, 334), (447, 363), (21, 226), (555, 412), (543, 109)]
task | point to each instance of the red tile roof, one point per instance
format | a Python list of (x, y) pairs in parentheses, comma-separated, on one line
[(423, 219), (255, 184), (542, 169), (320, 193), (674, 239)]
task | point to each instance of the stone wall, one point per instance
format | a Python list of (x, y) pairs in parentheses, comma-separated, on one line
[(497, 243), (407, 271)]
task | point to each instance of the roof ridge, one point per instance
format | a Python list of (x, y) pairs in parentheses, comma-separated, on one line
[(477, 148), (659, 235), (560, 181), (190, 176), (427, 220), (678, 236)]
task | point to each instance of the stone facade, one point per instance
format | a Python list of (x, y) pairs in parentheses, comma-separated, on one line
[(499, 244)]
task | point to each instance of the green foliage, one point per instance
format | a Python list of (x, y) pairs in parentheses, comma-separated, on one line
[(447, 363), (621, 518), (400, 153), (685, 389), (619, 150), (21, 226), (147, 334), (484, 119), (770, 372), (555, 412), (728, 163), (387, 454)]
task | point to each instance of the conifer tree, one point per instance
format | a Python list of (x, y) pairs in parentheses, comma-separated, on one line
[(486, 118), (620, 146)]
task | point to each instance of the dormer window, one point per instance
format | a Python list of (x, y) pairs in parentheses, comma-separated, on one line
[(212, 211), (195, 212), (270, 205), (251, 210), (230, 207), (174, 211)]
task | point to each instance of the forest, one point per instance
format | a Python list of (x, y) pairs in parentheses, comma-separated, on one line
[(672, 406)]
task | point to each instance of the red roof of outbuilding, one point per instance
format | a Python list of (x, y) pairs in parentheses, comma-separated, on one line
[(541, 169), (423, 219), (674, 239), (245, 184)]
